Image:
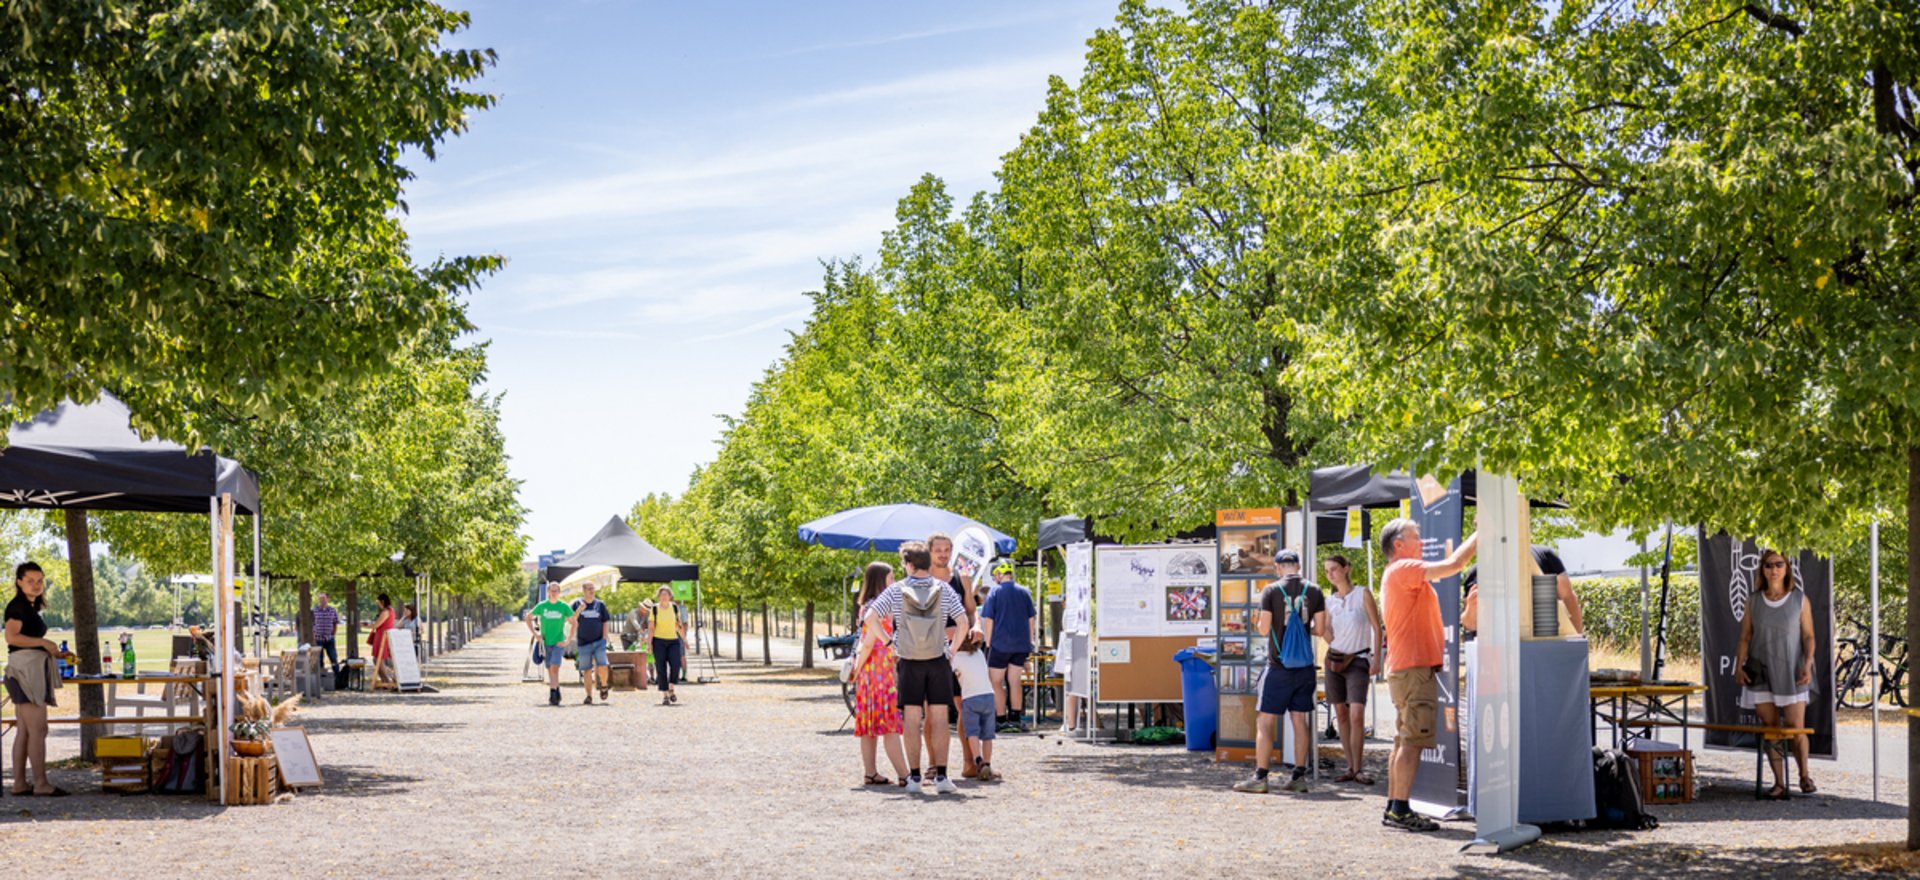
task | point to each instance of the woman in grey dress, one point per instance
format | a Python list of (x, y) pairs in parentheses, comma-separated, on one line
[(1778, 633)]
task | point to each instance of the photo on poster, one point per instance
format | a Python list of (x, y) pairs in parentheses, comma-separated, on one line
[(1248, 552), (1189, 604), (1233, 593), (1190, 567), (1232, 650), (1234, 621)]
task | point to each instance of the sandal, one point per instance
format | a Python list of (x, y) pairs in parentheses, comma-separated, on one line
[(1347, 777), (56, 792), (1777, 793), (666, 701), (1807, 786), (1363, 777), (877, 779)]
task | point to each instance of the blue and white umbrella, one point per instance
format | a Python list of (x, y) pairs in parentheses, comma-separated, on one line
[(886, 527)]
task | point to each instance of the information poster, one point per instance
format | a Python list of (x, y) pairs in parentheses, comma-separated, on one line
[(1078, 613), (1249, 538), (1155, 591)]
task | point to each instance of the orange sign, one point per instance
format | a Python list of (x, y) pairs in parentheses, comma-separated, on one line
[(1252, 516)]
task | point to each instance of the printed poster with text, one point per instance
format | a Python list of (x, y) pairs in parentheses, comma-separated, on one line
[(1155, 591)]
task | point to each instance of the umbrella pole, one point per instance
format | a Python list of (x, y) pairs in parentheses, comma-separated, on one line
[(1873, 650)]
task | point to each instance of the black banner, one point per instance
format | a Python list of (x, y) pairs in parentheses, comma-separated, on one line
[(1437, 785), (1728, 575)]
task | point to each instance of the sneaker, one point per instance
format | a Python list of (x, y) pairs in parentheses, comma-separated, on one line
[(1408, 821), (1299, 785), (986, 772), (589, 700), (1010, 727), (1256, 785), (943, 785), (553, 696), (913, 785)]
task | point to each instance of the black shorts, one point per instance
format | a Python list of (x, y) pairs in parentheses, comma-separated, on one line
[(925, 682)]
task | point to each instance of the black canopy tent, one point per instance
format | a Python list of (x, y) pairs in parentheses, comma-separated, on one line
[(89, 457), (617, 545)]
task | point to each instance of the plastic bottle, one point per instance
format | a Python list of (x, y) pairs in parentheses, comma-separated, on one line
[(66, 664), (126, 655)]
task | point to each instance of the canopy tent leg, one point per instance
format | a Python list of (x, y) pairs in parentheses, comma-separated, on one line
[(1873, 642)]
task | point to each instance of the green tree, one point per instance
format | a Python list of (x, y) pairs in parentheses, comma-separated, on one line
[(199, 199)]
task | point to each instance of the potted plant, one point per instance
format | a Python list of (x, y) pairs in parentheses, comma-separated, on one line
[(257, 720)]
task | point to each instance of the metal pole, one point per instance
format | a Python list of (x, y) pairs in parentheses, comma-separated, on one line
[(1646, 637), (1040, 609), (1873, 649)]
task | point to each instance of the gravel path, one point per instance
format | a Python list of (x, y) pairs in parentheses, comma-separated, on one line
[(749, 777)]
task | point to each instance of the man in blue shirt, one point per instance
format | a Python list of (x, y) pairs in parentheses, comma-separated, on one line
[(590, 638), (1011, 625)]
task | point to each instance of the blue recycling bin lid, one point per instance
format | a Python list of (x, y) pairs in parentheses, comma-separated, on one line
[(1203, 655)]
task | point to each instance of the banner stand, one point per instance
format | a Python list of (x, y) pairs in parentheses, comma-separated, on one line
[(1496, 702)]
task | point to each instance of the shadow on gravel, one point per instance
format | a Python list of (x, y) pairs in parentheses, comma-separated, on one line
[(1148, 767), (1695, 862), (375, 725), (357, 782)]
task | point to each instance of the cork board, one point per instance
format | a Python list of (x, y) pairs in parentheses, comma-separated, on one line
[(1148, 675)]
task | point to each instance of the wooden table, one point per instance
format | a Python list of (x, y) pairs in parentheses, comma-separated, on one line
[(1639, 706), (202, 681)]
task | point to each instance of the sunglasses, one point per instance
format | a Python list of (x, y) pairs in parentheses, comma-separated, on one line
[(1775, 564)]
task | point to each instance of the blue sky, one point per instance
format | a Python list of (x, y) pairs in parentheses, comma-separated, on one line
[(664, 180)]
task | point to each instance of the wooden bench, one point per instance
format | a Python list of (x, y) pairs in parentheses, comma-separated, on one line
[(1762, 735)]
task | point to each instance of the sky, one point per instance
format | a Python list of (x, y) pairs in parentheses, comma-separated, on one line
[(665, 180)]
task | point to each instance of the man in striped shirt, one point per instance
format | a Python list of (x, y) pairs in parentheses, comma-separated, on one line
[(326, 619)]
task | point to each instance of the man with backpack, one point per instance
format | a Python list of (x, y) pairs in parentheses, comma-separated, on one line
[(1300, 610), (921, 608)]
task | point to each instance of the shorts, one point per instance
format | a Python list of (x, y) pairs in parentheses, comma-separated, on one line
[(924, 682), (1004, 659), (556, 655), (977, 713), (1416, 702), (1285, 690), (1349, 685), (592, 654)]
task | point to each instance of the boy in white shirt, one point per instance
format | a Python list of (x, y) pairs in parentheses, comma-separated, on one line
[(976, 700)]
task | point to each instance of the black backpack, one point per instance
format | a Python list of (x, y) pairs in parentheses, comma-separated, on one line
[(186, 764), (1616, 793)]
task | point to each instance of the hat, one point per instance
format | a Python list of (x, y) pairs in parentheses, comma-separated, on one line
[(1286, 557)]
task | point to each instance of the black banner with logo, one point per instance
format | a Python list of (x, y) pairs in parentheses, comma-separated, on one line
[(1437, 785), (1729, 575)]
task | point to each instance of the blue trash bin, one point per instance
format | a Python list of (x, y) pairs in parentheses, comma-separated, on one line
[(1200, 696)]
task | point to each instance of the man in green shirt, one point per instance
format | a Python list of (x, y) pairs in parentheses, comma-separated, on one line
[(548, 622)]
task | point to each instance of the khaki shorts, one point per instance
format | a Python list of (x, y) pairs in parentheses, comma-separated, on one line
[(1415, 701)]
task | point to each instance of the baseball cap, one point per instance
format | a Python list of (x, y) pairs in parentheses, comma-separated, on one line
[(1286, 557)]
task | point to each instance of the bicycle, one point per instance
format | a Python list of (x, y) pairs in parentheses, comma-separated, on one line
[(1852, 672)]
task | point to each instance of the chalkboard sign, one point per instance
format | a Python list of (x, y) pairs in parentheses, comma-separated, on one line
[(295, 756)]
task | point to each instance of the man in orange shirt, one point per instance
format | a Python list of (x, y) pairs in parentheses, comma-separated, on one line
[(1415, 651)]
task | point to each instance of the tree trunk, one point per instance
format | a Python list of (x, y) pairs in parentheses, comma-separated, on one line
[(86, 631), (353, 619), (766, 634), (1913, 638), (739, 629), (806, 641), (303, 621)]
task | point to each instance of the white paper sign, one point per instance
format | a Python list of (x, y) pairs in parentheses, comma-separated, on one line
[(1078, 585), (406, 663)]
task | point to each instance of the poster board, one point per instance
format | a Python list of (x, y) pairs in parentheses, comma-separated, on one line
[(406, 662), (294, 752), (1729, 572), (1151, 601)]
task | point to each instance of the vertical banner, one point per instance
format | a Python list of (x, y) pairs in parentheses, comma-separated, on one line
[(1440, 511), (1356, 529), (1495, 700), (1729, 581), (1078, 610)]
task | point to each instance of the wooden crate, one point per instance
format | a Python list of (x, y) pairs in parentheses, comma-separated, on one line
[(1665, 775), (252, 781), (129, 775)]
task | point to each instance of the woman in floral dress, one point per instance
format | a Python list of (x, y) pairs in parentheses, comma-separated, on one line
[(876, 709)]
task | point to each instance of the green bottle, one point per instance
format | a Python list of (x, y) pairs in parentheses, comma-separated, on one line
[(126, 655)]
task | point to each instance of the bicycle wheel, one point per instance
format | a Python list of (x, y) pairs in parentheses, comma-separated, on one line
[(1895, 686), (1850, 684), (846, 693)]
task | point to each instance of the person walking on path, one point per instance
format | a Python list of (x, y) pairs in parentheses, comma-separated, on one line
[(1355, 621), (589, 624), (377, 645), (1415, 651), (921, 609), (548, 621), (326, 621), (669, 649), (32, 678), (976, 701), (876, 697), (1012, 625), (1777, 640), (1292, 612)]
